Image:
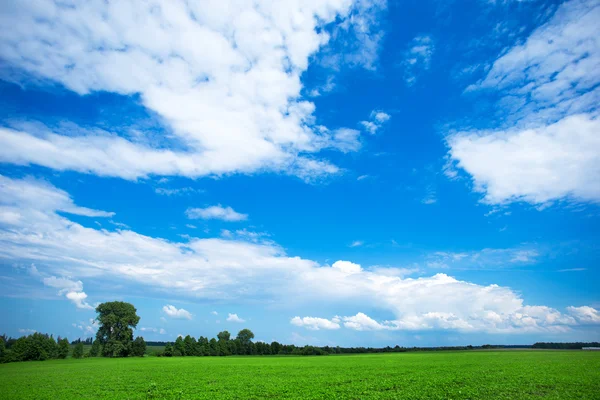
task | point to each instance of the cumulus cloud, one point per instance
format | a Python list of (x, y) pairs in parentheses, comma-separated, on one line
[(229, 270), (225, 77), (376, 121), (178, 313), (72, 290), (537, 165), (314, 324), (548, 145), (27, 331), (346, 267), (216, 212), (585, 314), (234, 318)]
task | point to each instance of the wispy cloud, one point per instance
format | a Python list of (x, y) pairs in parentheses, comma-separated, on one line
[(216, 212), (543, 146), (417, 58)]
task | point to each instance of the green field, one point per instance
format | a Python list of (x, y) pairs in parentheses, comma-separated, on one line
[(435, 375)]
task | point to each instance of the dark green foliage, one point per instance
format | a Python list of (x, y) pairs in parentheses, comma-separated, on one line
[(190, 346), (63, 348), (225, 335), (138, 348), (96, 348), (78, 350), (168, 350), (179, 347), (117, 320), (565, 346), (213, 347)]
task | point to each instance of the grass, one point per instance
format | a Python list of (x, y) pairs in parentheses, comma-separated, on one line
[(436, 375)]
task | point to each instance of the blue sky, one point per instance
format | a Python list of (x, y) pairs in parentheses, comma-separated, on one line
[(342, 172)]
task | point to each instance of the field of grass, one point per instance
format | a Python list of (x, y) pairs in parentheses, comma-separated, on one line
[(435, 375)]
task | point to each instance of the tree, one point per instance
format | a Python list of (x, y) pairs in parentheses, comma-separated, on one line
[(275, 347), (179, 348), (190, 345), (96, 348), (203, 346), (168, 350), (2, 349), (138, 348), (213, 347), (244, 337), (223, 336), (78, 350), (117, 320), (63, 348)]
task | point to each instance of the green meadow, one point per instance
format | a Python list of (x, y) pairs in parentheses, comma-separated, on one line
[(419, 375)]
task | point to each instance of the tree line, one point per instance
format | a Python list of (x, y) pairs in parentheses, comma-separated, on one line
[(564, 346), (117, 320)]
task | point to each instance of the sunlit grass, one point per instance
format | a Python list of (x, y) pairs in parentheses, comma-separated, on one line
[(436, 375)]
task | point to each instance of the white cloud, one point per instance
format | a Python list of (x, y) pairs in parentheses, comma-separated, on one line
[(64, 284), (377, 119), (347, 267), (224, 76), (214, 313), (174, 191), (314, 324), (27, 331), (229, 270), (234, 318), (356, 41), (558, 161), (72, 290), (160, 331), (417, 58), (585, 314), (547, 146), (215, 212), (357, 243), (89, 328), (78, 298), (362, 322), (41, 195), (174, 312)]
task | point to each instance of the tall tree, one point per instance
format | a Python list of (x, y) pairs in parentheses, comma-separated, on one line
[(63, 348), (179, 347), (78, 350), (96, 348), (190, 345), (2, 348), (244, 337), (225, 335), (138, 348), (117, 320)]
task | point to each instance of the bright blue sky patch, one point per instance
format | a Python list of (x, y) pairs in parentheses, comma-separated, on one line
[(327, 172)]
